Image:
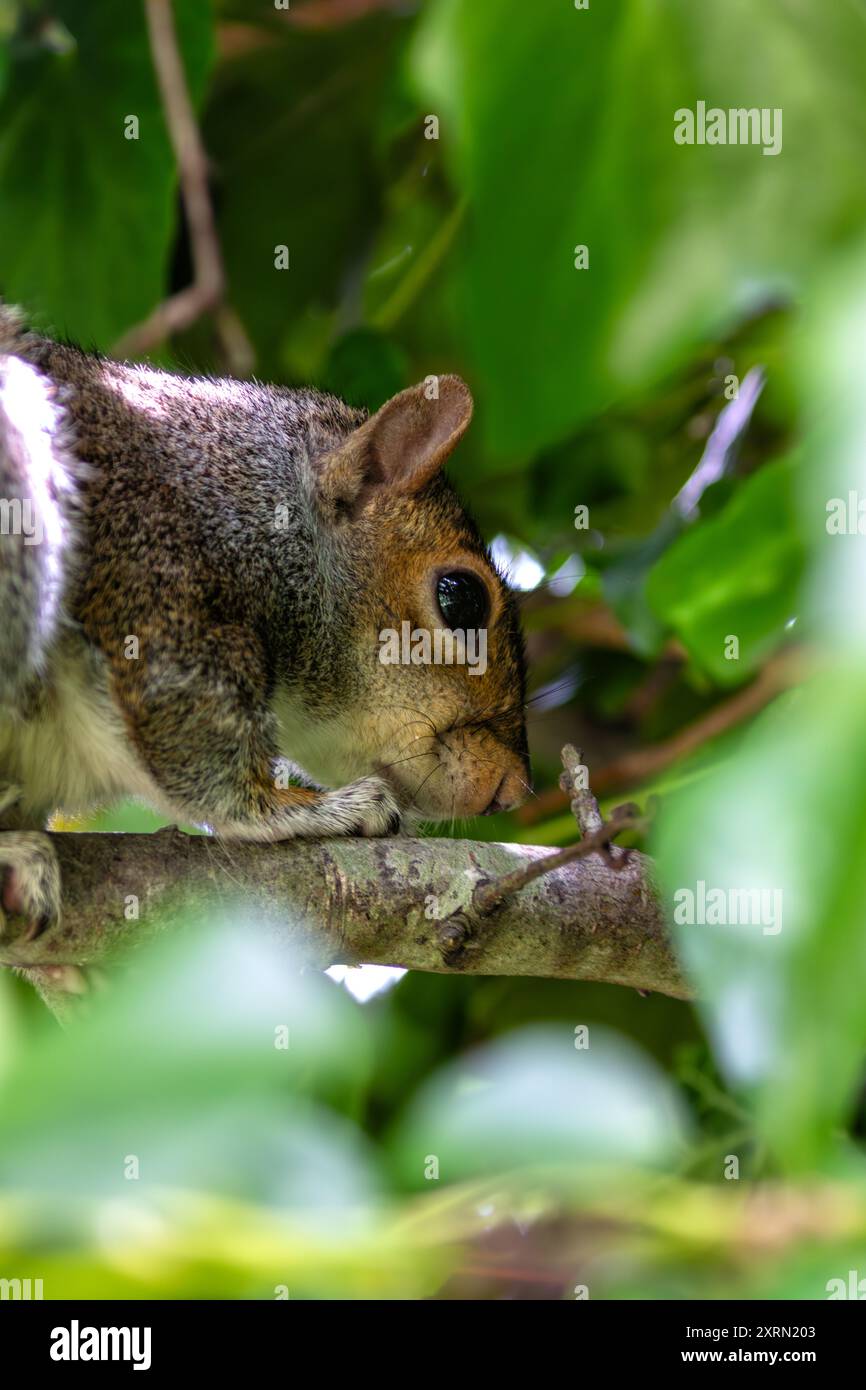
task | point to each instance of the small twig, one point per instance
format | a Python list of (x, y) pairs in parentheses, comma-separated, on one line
[(583, 804), (784, 670), (487, 896), (209, 283), (596, 837)]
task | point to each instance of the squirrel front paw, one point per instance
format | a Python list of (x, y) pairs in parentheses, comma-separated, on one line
[(29, 881), (367, 807)]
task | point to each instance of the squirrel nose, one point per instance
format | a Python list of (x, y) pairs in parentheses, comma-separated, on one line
[(508, 794)]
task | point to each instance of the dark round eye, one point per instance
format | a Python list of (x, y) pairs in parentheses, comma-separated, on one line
[(462, 600)]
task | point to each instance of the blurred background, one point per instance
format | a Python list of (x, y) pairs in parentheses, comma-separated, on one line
[(666, 346)]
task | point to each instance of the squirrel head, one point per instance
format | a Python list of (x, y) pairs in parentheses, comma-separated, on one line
[(438, 702)]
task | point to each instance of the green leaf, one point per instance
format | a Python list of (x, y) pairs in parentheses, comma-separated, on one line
[(782, 992), (290, 129), (735, 575), (787, 813), (365, 368), (185, 1064), (535, 1097), (560, 123), (87, 216)]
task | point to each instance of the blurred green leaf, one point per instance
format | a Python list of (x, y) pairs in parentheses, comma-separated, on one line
[(536, 1097), (782, 992), (683, 240), (208, 1064), (290, 130), (787, 813)]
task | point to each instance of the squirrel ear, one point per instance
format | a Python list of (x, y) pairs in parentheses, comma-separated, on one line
[(399, 448)]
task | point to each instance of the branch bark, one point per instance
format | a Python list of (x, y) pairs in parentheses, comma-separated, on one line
[(404, 902)]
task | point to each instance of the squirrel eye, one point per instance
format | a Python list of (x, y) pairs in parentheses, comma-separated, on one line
[(462, 600)]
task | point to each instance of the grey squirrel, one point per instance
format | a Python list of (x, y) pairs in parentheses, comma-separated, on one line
[(194, 578)]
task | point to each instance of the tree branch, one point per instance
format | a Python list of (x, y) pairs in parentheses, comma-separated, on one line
[(352, 901)]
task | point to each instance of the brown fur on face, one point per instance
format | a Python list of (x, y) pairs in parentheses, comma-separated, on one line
[(448, 738), (452, 741)]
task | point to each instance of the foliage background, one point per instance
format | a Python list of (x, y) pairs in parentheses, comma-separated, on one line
[(263, 1171)]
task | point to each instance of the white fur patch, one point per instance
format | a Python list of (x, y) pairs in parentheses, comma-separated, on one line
[(76, 753)]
